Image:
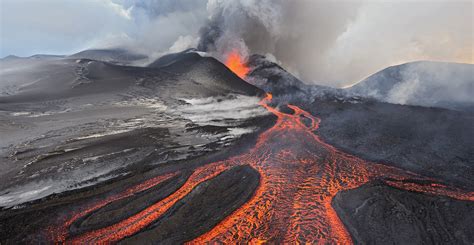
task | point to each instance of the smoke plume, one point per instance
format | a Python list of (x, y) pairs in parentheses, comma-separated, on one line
[(333, 43), (338, 43)]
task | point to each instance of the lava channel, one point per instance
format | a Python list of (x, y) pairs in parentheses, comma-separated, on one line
[(300, 175)]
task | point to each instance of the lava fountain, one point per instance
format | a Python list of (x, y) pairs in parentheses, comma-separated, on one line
[(299, 176), (236, 64)]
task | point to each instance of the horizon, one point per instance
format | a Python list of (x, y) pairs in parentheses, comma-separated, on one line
[(342, 49), (346, 86)]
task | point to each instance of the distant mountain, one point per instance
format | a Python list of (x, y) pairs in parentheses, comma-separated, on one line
[(36, 56), (10, 57), (118, 55), (424, 83), (46, 56)]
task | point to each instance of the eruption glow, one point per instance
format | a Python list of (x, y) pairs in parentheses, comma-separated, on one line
[(236, 64), (299, 176)]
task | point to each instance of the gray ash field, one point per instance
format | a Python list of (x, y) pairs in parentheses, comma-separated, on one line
[(96, 148)]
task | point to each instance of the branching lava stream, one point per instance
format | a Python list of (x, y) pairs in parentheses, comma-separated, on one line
[(300, 175)]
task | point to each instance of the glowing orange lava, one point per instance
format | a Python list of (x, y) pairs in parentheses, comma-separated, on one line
[(236, 64), (300, 175), (59, 233)]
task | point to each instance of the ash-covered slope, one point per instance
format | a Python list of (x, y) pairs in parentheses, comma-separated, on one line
[(429, 141), (43, 80), (424, 83), (68, 124), (378, 214), (116, 56)]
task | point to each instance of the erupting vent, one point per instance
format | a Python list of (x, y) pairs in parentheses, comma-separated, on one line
[(236, 64)]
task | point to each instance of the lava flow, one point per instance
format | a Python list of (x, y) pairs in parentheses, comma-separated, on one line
[(300, 175), (235, 63), (59, 233)]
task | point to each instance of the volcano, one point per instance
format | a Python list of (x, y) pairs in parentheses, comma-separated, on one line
[(417, 83), (190, 150)]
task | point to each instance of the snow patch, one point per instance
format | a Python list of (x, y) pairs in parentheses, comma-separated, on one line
[(221, 111)]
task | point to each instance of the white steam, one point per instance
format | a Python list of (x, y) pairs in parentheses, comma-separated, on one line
[(434, 84), (333, 43), (337, 43)]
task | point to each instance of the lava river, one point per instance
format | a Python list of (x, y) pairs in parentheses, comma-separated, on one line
[(300, 175)]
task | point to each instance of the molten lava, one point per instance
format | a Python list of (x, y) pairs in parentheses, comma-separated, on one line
[(236, 64), (60, 233), (300, 175)]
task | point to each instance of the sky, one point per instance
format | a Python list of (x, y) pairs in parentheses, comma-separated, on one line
[(332, 43)]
